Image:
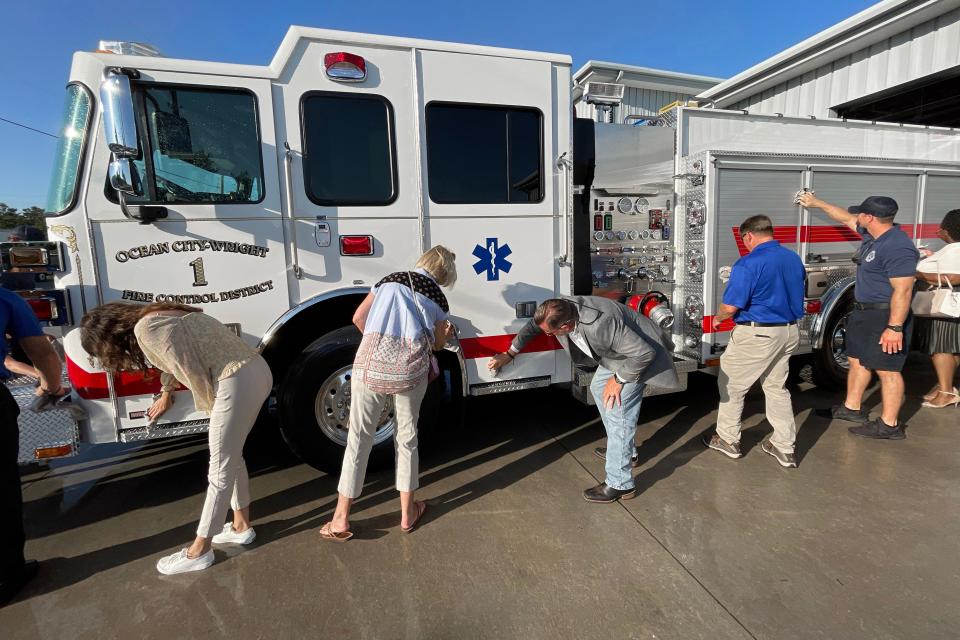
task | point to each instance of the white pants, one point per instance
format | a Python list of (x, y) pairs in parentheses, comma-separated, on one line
[(366, 407), (235, 409)]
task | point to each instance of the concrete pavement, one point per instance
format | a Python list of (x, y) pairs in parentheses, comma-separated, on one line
[(861, 541)]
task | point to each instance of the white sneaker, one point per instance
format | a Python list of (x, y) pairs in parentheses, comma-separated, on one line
[(229, 536), (179, 562)]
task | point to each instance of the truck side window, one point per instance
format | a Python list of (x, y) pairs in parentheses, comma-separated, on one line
[(480, 154), (204, 144), (348, 149)]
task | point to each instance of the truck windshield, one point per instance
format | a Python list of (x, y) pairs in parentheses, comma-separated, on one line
[(73, 136)]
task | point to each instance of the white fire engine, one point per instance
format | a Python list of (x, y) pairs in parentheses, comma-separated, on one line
[(274, 197)]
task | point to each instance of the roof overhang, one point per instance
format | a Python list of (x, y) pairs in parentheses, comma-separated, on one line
[(874, 24), (640, 77)]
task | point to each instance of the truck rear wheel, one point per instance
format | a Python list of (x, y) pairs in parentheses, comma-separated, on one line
[(314, 404), (830, 364)]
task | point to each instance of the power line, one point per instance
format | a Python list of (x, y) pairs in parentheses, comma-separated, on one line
[(30, 128)]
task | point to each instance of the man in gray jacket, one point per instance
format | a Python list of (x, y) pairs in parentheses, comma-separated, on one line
[(630, 351)]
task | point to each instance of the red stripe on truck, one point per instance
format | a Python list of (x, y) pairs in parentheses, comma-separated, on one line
[(487, 346), (726, 325), (824, 233), (92, 385)]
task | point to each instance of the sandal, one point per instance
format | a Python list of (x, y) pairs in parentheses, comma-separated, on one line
[(421, 509), (952, 403), (327, 533)]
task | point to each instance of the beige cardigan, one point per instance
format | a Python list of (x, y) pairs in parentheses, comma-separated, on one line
[(195, 350)]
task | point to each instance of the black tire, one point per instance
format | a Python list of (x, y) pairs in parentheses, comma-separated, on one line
[(830, 359), (316, 428)]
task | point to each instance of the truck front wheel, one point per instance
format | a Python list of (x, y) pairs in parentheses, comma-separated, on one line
[(315, 405)]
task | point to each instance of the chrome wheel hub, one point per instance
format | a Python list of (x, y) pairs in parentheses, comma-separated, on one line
[(838, 343), (332, 409)]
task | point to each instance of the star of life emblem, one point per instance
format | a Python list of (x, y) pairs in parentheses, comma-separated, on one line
[(492, 259)]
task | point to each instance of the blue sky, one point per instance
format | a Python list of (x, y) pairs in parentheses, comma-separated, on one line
[(695, 36)]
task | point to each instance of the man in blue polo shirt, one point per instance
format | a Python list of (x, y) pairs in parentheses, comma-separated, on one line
[(17, 320), (765, 298), (879, 328)]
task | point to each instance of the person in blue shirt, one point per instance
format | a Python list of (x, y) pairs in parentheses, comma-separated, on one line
[(18, 321), (879, 328), (765, 298)]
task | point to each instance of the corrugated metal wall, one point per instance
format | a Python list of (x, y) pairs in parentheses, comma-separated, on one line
[(923, 50), (644, 102)]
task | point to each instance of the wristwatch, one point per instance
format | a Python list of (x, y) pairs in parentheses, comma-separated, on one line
[(895, 327), (616, 376)]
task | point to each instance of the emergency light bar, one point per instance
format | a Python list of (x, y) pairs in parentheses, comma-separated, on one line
[(345, 67), (603, 93), (127, 48)]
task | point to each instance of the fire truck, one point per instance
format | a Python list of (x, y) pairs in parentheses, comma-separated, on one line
[(275, 196)]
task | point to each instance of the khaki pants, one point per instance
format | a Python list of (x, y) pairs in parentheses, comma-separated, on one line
[(366, 407), (235, 409), (758, 353)]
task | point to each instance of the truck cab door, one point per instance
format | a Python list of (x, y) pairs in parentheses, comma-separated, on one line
[(207, 164), (493, 129)]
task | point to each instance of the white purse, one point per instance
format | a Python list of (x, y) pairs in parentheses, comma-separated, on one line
[(942, 302)]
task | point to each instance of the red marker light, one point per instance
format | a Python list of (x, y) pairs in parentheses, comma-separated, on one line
[(43, 308), (814, 306), (356, 245), (345, 67)]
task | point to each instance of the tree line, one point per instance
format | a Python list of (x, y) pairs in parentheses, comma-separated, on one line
[(11, 217)]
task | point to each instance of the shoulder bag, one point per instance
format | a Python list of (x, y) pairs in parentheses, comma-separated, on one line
[(940, 302)]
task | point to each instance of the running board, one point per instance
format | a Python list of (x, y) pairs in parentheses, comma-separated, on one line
[(166, 430), (503, 386)]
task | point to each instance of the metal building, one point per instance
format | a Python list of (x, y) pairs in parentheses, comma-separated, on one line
[(897, 61), (645, 90)]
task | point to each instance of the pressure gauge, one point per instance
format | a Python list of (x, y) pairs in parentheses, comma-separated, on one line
[(633, 234), (693, 308), (656, 234), (625, 205), (641, 205), (694, 261), (621, 235), (598, 235), (645, 234), (609, 235)]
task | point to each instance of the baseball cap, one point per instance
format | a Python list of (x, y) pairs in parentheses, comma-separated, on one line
[(879, 206)]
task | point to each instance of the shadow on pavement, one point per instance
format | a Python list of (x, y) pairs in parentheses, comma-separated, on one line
[(444, 454)]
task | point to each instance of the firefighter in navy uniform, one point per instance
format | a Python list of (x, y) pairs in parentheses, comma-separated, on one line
[(878, 331), (18, 321)]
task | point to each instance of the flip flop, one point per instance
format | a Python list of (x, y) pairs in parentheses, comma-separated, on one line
[(421, 509), (327, 533)]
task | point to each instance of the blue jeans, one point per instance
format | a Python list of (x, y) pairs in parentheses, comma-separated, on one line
[(620, 422)]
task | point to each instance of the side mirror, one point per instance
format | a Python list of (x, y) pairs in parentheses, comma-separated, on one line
[(119, 121), (121, 176)]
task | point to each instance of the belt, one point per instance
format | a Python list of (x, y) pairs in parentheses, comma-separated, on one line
[(867, 306), (767, 324)]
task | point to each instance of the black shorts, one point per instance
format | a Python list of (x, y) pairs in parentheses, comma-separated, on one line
[(864, 328)]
